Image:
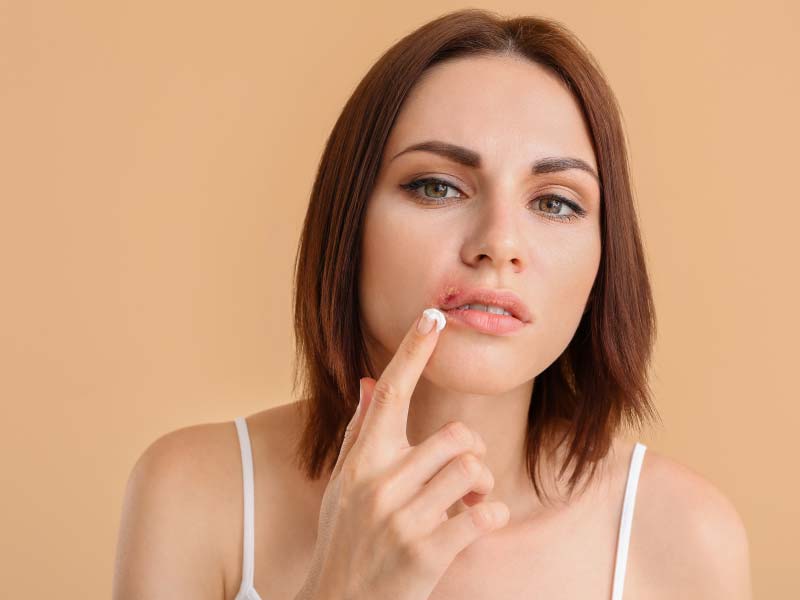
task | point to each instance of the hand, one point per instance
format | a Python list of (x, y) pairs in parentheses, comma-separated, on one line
[(384, 532)]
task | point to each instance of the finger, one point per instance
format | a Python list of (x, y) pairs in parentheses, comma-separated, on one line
[(353, 427), (387, 417), (367, 386), (463, 475), (420, 464), (451, 536)]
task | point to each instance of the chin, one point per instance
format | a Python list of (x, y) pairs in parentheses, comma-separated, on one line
[(481, 386), (476, 373)]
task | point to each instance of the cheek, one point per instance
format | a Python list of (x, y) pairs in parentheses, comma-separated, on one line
[(396, 271), (569, 279), (573, 272)]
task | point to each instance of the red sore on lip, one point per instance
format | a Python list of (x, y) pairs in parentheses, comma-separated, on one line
[(453, 294), (448, 295)]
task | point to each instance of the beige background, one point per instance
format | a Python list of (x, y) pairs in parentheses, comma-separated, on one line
[(156, 164)]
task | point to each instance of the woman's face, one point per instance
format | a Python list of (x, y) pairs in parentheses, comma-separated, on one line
[(496, 225)]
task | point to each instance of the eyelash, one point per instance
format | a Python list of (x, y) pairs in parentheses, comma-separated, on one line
[(414, 185)]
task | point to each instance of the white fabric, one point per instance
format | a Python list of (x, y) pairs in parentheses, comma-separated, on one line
[(626, 520), (246, 590)]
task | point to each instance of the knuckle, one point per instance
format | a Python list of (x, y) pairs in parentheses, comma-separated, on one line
[(384, 392), (378, 499), (459, 433), (420, 555), (470, 465), (397, 529)]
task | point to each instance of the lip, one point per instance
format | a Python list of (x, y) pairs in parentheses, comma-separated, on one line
[(485, 322), (455, 296)]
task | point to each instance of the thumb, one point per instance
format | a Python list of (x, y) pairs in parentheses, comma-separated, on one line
[(366, 384)]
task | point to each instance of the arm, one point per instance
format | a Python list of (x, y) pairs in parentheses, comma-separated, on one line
[(692, 542), (166, 547), (721, 547)]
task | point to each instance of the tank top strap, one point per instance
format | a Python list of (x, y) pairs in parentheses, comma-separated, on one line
[(626, 520), (249, 512)]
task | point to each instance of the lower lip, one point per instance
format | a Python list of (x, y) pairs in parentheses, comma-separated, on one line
[(485, 322)]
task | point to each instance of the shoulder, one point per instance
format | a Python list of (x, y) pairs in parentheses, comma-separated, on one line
[(689, 532), (182, 517), (168, 544), (188, 463)]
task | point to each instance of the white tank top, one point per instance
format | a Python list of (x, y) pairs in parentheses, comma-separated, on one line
[(248, 592)]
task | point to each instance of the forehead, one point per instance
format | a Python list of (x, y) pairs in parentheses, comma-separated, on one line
[(505, 108)]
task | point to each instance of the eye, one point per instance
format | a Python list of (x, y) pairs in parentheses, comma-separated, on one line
[(432, 184), (420, 188), (559, 202)]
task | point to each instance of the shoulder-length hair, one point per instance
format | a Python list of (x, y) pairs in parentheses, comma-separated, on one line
[(600, 380)]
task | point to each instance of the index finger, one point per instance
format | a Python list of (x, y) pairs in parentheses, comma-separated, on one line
[(387, 415)]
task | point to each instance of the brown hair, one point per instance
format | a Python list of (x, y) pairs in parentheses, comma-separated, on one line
[(600, 379)]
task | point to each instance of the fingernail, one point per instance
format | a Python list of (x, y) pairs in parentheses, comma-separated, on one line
[(429, 316)]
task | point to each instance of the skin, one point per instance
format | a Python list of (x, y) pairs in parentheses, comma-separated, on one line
[(498, 231)]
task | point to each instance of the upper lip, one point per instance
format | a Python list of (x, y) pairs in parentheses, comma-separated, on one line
[(505, 299)]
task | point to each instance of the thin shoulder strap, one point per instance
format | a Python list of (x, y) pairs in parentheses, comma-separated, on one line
[(627, 519), (249, 525)]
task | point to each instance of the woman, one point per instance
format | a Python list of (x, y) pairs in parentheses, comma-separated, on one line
[(479, 167)]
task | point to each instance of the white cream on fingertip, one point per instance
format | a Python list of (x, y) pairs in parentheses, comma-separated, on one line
[(435, 313)]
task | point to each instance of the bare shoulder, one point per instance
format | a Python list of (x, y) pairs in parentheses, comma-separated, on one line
[(688, 534), (166, 543), (182, 518)]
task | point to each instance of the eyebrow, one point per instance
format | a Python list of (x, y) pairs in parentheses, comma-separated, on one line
[(470, 158)]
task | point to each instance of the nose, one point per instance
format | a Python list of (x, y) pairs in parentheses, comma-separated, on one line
[(496, 237)]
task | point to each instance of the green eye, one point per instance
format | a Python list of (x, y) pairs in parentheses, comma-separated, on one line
[(426, 185), (420, 189)]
